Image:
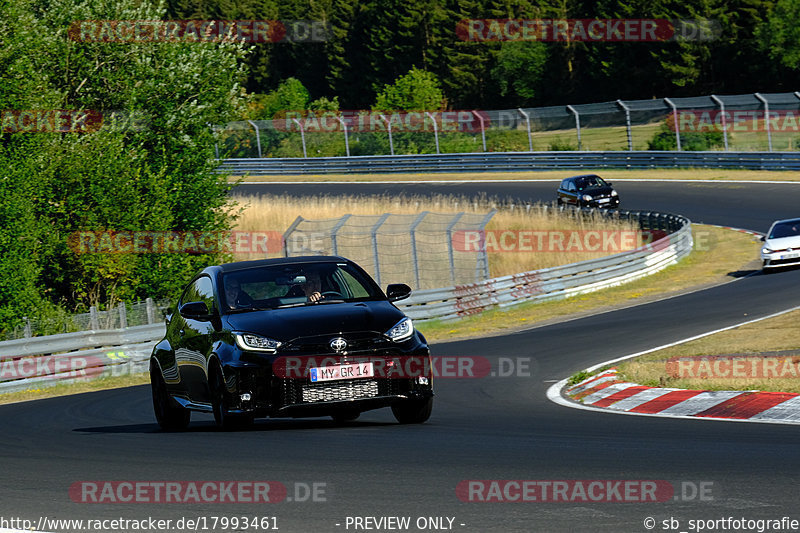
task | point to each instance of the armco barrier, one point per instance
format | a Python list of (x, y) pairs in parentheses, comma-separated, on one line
[(39, 362), (510, 162)]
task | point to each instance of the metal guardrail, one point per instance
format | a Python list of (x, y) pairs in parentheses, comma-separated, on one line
[(510, 162), (39, 362)]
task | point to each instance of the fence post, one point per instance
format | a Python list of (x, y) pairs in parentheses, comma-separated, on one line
[(627, 123), (151, 311), (724, 119), (483, 130), (450, 246), (675, 121), (528, 124), (483, 254), (287, 233), (94, 321), (258, 136), (413, 230), (766, 119), (577, 123), (216, 145), (123, 315), (435, 131), (302, 136), (374, 232), (28, 331), (389, 127), (334, 231), (346, 139)]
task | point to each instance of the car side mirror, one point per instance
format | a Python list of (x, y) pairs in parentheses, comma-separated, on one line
[(196, 311), (397, 291), (762, 238), (609, 183)]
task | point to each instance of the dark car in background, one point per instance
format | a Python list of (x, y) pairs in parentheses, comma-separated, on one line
[(587, 190), (291, 337)]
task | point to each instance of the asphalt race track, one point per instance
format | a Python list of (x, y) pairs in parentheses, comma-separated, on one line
[(493, 428)]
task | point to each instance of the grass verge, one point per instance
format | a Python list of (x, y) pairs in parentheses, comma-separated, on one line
[(551, 175), (758, 356)]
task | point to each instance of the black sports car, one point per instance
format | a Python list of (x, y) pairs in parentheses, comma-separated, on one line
[(588, 190), (292, 337)]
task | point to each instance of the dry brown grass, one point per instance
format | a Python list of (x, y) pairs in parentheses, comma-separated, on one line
[(771, 335), (276, 213)]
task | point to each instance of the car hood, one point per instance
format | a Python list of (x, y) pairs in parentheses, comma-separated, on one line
[(292, 322), (597, 191), (783, 243)]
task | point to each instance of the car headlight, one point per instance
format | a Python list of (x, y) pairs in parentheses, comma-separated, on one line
[(401, 331), (257, 343), (766, 250), (614, 193), (587, 198)]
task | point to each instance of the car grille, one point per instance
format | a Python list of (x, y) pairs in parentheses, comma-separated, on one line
[(300, 391), (329, 392)]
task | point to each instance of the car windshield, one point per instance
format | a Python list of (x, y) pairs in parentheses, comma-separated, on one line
[(785, 229), (273, 287), (589, 181)]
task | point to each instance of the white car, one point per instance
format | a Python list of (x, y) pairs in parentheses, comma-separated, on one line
[(781, 244)]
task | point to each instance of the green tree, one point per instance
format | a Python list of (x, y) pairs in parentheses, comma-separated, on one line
[(417, 90)]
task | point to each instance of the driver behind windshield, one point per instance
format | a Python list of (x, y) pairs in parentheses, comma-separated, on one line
[(311, 288), (235, 297)]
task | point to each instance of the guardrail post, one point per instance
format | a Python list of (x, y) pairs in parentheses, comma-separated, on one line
[(123, 315), (287, 233), (724, 119), (414, 257), (334, 231), (374, 232), (766, 119), (528, 125), (302, 136), (450, 246), (627, 123), (483, 130), (258, 137), (435, 131), (577, 123), (389, 127), (346, 139), (675, 121), (151, 311)]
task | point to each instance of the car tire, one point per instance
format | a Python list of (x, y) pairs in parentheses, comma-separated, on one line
[(345, 416), (560, 201), (168, 416), (413, 411), (219, 404)]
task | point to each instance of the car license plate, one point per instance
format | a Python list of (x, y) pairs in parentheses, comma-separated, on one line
[(604, 200), (338, 372), (792, 255)]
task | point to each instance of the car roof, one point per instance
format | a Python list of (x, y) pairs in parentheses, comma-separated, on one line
[(244, 265), (787, 220), (583, 176)]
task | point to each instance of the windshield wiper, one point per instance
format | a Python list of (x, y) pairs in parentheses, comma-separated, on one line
[(246, 309)]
